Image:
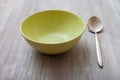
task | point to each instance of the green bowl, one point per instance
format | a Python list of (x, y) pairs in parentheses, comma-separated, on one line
[(52, 31)]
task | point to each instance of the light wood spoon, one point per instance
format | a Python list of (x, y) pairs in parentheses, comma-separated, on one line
[(95, 26)]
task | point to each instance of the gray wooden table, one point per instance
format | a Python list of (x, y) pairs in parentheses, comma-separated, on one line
[(18, 61)]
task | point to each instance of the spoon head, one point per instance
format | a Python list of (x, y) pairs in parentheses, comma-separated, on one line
[(94, 24)]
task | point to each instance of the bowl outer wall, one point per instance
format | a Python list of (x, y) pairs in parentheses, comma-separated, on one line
[(54, 48)]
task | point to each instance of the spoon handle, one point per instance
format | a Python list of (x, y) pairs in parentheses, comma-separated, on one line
[(99, 56)]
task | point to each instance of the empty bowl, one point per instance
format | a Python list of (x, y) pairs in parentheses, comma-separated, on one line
[(52, 31)]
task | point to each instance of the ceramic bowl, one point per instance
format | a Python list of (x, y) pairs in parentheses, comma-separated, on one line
[(52, 31)]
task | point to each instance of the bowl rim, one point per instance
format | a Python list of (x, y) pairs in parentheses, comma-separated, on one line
[(70, 12)]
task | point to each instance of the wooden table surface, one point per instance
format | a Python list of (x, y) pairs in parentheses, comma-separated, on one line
[(18, 61)]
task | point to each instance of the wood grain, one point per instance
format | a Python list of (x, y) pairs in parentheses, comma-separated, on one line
[(18, 61)]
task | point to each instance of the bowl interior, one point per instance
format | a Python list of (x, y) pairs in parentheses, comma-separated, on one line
[(52, 26)]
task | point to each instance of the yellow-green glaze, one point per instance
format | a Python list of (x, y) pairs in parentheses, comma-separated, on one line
[(52, 31)]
